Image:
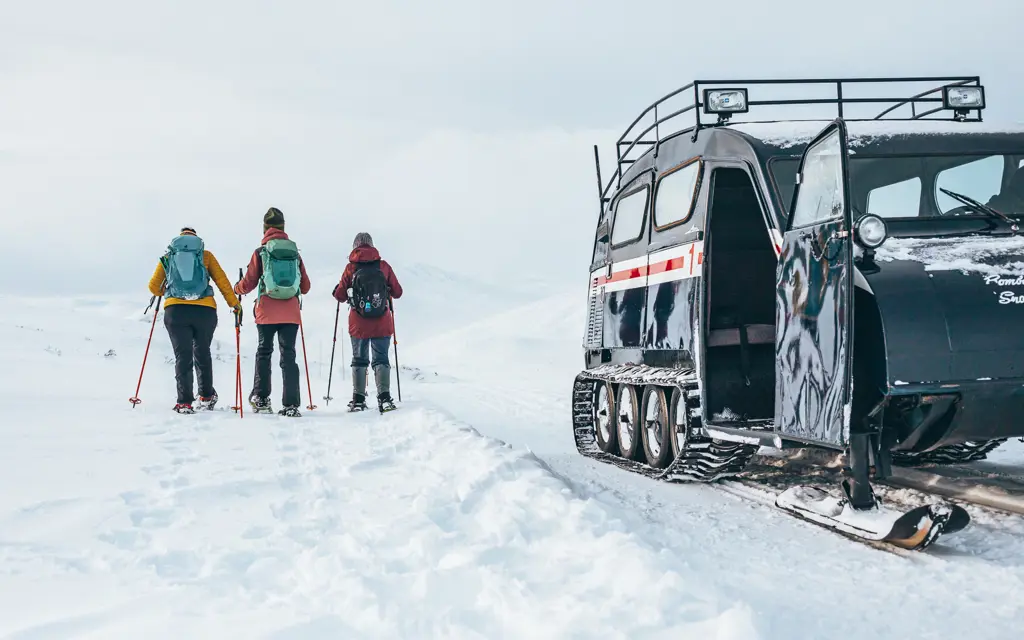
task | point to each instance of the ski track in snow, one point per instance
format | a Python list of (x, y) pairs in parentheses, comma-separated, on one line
[(407, 525), (141, 523), (120, 522)]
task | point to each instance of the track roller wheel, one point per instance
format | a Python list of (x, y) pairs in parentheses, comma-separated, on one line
[(679, 418), (605, 418), (629, 423), (656, 427)]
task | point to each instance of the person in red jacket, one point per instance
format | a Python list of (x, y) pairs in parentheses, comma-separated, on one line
[(274, 317), (368, 284)]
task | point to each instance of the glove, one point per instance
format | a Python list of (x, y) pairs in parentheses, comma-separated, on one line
[(237, 310)]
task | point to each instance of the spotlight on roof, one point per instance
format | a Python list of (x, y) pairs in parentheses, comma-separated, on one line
[(962, 99), (725, 102)]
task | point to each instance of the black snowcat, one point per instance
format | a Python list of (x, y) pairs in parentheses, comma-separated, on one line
[(853, 284)]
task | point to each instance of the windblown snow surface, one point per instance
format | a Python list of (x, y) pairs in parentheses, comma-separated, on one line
[(465, 514)]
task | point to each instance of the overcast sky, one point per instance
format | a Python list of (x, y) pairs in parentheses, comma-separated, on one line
[(457, 132)]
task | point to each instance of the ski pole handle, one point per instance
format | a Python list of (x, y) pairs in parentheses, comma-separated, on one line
[(238, 313)]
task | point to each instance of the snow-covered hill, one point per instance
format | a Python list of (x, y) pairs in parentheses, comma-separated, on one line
[(466, 514)]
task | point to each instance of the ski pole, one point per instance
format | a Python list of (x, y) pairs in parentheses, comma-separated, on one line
[(238, 358), (238, 367), (330, 372), (398, 368), (135, 399), (309, 389)]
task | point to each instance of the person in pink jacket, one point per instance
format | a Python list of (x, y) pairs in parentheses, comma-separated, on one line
[(274, 317)]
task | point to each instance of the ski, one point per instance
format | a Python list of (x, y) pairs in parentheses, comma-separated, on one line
[(914, 530)]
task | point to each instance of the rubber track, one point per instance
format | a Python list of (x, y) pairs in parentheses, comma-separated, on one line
[(952, 454), (702, 459)]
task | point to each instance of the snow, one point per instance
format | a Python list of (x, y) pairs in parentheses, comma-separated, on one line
[(465, 514), (992, 257), (726, 415), (790, 134)]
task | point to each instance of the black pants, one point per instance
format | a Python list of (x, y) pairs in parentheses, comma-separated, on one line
[(286, 334), (191, 330)]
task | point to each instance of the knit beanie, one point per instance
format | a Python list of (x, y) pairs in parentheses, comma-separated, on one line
[(273, 218), (362, 240)]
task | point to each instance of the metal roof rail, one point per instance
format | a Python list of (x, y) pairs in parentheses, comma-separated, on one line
[(654, 133)]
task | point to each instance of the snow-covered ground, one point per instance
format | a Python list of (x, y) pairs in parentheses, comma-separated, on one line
[(466, 514)]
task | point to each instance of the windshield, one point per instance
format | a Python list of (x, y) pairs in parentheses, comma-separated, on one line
[(911, 186)]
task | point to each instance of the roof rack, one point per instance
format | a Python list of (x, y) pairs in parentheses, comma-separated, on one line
[(922, 107)]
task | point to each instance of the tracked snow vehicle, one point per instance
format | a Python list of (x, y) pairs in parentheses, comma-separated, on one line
[(852, 284)]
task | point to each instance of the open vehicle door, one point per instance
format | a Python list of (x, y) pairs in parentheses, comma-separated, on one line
[(814, 298)]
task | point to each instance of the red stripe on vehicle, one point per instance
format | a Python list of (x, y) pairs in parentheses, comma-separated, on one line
[(620, 276), (667, 265)]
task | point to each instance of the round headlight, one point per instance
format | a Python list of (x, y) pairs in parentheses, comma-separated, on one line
[(871, 231)]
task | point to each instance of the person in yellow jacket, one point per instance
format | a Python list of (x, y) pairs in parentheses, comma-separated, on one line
[(190, 313)]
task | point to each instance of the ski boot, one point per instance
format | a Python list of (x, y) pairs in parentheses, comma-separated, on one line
[(260, 405), (184, 408), (207, 404), (385, 403), (290, 412), (357, 403)]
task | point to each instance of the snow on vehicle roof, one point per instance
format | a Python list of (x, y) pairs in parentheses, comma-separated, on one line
[(800, 132)]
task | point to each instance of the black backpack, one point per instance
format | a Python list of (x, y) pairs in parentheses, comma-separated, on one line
[(370, 290)]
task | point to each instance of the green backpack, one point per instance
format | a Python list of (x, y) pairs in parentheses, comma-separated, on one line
[(281, 273)]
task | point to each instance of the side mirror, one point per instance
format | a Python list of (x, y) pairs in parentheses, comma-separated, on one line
[(603, 231)]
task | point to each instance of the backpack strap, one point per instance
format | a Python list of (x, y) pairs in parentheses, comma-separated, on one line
[(260, 287), (165, 262)]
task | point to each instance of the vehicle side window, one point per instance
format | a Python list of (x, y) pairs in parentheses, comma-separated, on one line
[(673, 201), (821, 193), (600, 249), (897, 200), (629, 217), (979, 179)]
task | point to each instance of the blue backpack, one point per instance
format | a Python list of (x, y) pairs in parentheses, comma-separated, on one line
[(185, 272)]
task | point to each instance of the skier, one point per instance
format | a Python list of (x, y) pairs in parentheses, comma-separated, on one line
[(276, 268), (190, 313), (367, 284)]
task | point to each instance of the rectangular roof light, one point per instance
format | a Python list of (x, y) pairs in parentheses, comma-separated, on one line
[(963, 97), (725, 101)]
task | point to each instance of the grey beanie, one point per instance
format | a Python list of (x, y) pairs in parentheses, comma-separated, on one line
[(362, 240)]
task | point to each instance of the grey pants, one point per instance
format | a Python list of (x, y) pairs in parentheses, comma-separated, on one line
[(362, 349)]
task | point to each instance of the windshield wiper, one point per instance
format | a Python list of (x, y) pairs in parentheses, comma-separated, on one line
[(982, 208)]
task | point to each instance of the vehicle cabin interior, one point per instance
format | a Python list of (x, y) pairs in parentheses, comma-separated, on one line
[(740, 298)]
